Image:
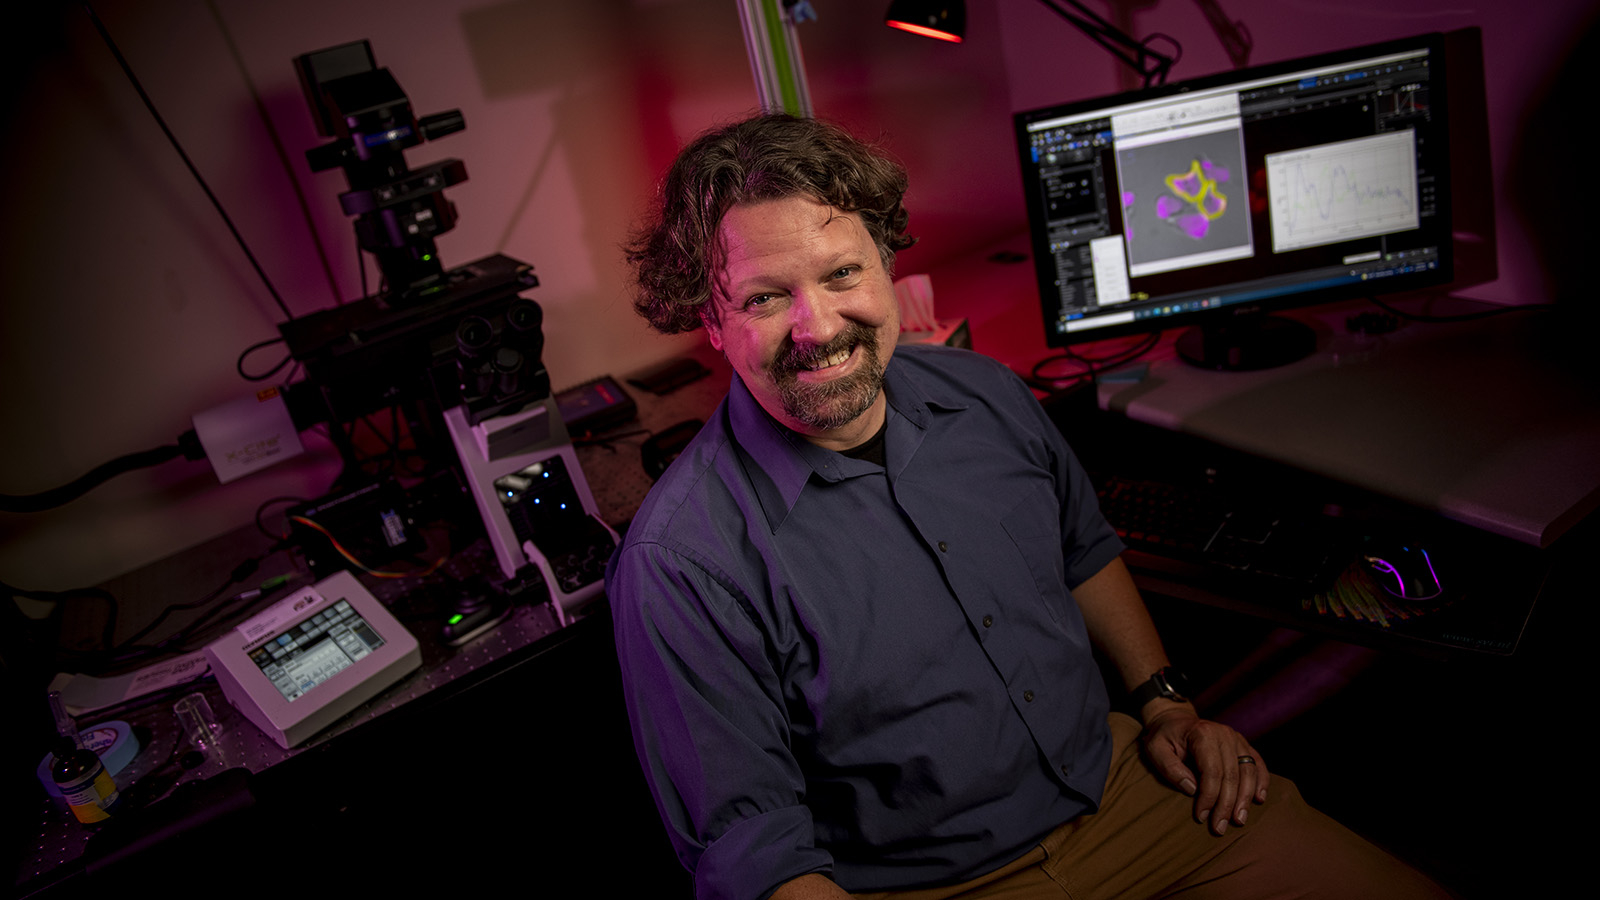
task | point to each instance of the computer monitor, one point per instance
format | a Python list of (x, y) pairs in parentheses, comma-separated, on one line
[(1213, 202)]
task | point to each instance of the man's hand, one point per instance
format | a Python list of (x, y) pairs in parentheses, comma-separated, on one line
[(1231, 772), (1177, 742)]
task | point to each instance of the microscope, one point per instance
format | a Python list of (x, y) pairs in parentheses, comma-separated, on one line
[(460, 346), (519, 461)]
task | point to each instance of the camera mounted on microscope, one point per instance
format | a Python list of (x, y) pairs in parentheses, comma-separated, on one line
[(398, 210)]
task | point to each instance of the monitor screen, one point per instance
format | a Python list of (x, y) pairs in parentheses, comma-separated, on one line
[(1199, 202)]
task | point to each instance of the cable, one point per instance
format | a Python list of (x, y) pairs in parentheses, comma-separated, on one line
[(1138, 56), (282, 153), (159, 781), (177, 642), (1093, 366), (262, 526), (27, 503), (376, 573), (1159, 74), (239, 364), (150, 105), (108, 633), (242, 571), (111, 655), (240, 602)]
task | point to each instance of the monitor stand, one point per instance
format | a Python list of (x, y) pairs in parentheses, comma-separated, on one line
[(1246, 343)]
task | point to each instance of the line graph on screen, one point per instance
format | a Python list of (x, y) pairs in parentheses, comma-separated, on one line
[(1344, 190)]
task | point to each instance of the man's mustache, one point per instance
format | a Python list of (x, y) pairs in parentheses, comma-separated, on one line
[(800, 357)]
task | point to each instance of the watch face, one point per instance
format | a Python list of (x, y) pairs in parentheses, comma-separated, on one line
[(1174, 684)]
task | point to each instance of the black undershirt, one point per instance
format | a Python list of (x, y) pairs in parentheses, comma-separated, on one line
[(872, 450)]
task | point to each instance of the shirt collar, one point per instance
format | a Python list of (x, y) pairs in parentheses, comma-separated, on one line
[(779, 461)]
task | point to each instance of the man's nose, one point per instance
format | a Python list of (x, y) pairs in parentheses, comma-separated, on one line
[(815, 317)]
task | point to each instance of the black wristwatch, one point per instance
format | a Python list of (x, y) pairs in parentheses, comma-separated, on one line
[(1167, 682)]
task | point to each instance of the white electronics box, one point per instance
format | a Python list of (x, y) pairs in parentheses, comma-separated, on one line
[(311, 658)]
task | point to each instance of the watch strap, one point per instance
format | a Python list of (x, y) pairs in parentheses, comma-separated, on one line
[(1167, 682)]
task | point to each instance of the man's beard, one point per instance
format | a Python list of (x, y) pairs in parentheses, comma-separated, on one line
[(836, 403)]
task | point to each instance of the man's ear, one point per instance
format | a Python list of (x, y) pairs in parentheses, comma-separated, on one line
[(708, 318)]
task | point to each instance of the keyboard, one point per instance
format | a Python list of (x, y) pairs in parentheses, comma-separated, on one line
[(1197, 531)]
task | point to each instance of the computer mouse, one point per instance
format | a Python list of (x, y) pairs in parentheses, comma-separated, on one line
[(1405, 570)]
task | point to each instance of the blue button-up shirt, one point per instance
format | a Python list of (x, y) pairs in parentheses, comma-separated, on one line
[(876, 672)]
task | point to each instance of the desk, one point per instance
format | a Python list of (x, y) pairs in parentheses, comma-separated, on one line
[(1467, 419), (1474, 420), (1469, 423)]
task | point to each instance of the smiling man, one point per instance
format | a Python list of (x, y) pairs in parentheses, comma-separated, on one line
[(855, 618), (808, 319)]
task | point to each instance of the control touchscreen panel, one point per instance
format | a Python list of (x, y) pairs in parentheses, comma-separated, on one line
[(310, 653), (312, 657)]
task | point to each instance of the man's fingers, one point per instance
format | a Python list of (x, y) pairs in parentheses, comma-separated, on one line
[(1249, 777), (1214, 789), (1166, 757), (1253, 779), (1210, 762), (1169, 763), (1212, 748), (1263, 778)]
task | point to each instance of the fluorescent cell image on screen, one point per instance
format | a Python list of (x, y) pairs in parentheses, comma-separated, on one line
[(1177, 198)]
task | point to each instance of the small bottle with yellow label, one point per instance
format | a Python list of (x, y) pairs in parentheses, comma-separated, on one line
[(85, 784)]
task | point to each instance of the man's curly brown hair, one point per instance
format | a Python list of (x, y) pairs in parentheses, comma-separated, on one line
[(678, 251)]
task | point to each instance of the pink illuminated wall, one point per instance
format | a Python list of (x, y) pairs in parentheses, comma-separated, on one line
[(126, 301)]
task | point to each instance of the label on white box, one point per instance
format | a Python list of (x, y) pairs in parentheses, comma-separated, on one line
[(275, 617), (247, 434)]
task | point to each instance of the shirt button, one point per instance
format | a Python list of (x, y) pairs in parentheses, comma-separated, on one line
[(987, 621), (1065, 772), (943, 547), (1027, 696)]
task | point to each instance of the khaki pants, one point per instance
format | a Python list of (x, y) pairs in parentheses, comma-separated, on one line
[(1144, 842)]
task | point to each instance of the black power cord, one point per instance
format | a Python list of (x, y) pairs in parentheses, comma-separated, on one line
[(113, 655), (1092, 366), (188, 446), (250, 376)]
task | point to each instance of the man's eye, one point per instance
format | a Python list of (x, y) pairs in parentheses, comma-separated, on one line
[(758, 301), (846, 271)]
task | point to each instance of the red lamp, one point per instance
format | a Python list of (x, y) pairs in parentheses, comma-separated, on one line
[(945, 20)]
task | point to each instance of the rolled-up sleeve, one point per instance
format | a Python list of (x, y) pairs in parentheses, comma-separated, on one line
[(710, 724)]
